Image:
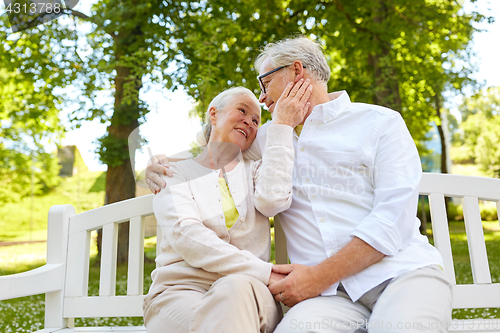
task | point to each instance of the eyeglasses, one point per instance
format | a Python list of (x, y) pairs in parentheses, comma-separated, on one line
[(260, 77)]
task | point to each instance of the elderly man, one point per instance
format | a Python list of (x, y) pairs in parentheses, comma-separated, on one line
[(358, 260)]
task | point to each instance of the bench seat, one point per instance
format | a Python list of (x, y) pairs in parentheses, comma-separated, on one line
[(64, 279)]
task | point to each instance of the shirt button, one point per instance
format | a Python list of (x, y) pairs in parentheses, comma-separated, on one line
[(314, 197), (307, 180), (301, 149), (322, 220), (221, 217), (239, 205), (242, 220), (332, 253)]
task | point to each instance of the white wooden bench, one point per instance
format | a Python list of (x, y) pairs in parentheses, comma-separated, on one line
[(64, 279)]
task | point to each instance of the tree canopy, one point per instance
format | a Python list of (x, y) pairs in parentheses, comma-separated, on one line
[(32, 68), (385, 52)]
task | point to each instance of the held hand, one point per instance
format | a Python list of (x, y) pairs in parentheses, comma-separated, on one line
[(293, 104), (302, 282), (275, 277), (158, 165)]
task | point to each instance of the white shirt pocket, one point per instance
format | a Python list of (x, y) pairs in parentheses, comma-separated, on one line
[(342, 172)]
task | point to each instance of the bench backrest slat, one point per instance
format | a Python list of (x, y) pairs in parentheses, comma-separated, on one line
[(107, 276), (159, 237), (77, 268), (441, 233), (475, 240), (135, 276)]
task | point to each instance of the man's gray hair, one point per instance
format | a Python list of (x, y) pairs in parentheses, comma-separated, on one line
[(220, 102), (286, 51)]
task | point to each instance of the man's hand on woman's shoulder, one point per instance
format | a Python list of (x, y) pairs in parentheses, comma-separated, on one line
[(158, 165)]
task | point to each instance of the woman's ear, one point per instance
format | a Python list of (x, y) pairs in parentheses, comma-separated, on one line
[(213, 115), (298, 69)]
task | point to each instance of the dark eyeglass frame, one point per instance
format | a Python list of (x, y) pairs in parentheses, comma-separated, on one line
[(260, 77)]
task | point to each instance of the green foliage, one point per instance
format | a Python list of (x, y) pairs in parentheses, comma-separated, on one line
[(455, 212), (382, 52), (34, 64), (461, 155), (480, 132), (16, 170), (409, 54), (112, 150), (488, 211), (486, 101), (217, 42), (129, 43), (488, 148)]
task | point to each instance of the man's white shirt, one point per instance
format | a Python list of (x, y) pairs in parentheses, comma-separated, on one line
[(357, 173)]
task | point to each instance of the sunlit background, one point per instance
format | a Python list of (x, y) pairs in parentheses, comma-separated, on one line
[(170, 130)]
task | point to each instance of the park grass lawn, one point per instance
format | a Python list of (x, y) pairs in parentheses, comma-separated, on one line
[(84, 191), (26, 314)]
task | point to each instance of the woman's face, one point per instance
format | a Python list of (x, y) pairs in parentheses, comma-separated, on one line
[(237, 122)]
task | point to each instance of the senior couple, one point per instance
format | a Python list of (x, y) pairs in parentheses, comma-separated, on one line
[(344, 178)]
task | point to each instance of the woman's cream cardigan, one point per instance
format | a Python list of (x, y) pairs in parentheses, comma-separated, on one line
[(196, 245)]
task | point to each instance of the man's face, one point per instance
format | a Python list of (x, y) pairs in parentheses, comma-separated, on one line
[(274, 83)]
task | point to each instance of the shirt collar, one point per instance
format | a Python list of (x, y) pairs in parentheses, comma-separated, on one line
[(339, 101)]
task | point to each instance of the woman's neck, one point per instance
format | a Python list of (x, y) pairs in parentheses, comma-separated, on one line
[(219, 155)]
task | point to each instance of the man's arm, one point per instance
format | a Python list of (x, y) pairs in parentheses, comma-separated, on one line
[(303, 282), (385, 231)]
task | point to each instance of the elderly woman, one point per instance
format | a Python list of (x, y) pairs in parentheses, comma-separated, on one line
[(213, 268)]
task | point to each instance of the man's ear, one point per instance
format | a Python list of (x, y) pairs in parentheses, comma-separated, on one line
[(298, 69), (213, 115)]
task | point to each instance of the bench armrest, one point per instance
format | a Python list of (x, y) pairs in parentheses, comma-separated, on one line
[(41, 280)]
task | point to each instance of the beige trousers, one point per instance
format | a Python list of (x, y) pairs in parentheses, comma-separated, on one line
[(234, 303), (416, 301)]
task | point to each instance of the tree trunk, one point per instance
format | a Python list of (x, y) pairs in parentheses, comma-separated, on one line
[(442, 136), (444, 146), (120, 181)]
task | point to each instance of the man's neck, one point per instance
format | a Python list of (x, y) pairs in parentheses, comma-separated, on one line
[(318, 96)]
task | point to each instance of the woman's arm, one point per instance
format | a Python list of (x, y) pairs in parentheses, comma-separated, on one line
[(274, 177), (274, 174)]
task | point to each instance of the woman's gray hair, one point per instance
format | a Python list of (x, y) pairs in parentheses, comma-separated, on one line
[(220, 102), (286, 51)]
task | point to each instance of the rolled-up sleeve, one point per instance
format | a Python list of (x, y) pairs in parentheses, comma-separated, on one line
[(273, 175), (397, 173)]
